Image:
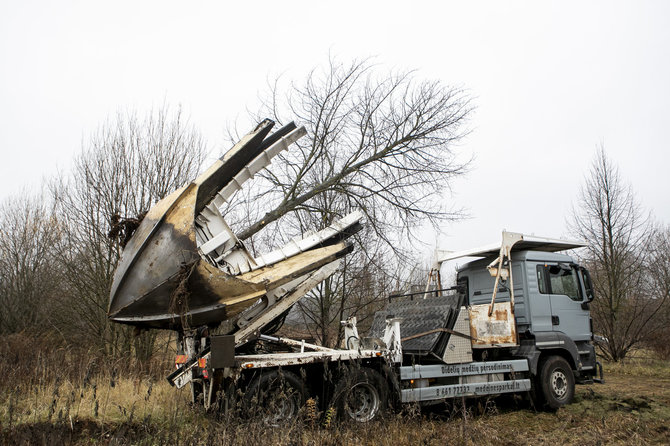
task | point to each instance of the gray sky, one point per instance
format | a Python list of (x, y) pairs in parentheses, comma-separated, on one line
[(551, 81)]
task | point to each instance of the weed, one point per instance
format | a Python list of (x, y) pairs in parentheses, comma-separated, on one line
[(74, 398)]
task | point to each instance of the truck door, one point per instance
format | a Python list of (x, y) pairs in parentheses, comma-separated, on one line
[(540, 302), (561, 283)]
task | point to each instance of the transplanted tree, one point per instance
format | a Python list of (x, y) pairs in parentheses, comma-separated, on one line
[(379, 142), (383, 143), (127, 166), (609, 217)]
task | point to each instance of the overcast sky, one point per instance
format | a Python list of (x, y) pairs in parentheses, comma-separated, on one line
[(551, 81)]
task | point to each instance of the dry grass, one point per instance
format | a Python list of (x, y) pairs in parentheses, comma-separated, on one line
[(58, 397)]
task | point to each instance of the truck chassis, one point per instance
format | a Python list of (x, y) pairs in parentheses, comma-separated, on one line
[(486, 357)]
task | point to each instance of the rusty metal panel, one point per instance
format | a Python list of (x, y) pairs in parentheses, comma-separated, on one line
[(286, 359), (497, 330)]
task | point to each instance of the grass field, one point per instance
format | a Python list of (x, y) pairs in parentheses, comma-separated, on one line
[(79, 402)]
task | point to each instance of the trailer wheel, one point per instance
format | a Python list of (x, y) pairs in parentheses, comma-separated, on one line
[(276, 397), (361, 395), (557, 382)]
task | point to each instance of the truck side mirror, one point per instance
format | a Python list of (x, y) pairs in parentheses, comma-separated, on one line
[(588, 284)]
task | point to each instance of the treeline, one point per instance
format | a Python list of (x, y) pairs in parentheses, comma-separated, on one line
[(379, 142), (57, 258)]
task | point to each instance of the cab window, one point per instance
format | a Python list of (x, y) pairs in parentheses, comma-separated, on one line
[(558, 279), (542, 279), (463, 290)]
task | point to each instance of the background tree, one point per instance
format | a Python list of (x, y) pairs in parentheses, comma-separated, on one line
[(29, 276), (127, 166), (360, 288), (379, 142), (658, 281), (609, 217)]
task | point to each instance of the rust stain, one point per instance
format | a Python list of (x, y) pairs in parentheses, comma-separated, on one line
[(498, 329), (500, 315)]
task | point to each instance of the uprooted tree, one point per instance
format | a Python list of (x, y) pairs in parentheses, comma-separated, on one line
[(379, 142), (627, 306)]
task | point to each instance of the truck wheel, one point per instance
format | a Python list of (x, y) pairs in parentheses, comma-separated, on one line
[(557, 382), (361, 395), (276, 397)]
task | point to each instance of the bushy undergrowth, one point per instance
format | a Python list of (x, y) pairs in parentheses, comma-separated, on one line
[(62, 396)]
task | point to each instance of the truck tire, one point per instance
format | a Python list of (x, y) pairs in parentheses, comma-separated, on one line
[(557, 383), (276, 397), (361, 395)]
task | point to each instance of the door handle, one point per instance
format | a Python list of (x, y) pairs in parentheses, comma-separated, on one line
[(555, 320)]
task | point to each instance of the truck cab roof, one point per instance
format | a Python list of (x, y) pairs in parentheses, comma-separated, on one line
[(512, 243), (538, 256)]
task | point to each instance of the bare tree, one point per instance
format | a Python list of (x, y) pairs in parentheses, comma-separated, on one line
[(658, 281), (382, 143), (359, 289), (128, 165), (28, 274), (611, 220)]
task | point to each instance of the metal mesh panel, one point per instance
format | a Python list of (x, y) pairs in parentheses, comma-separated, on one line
[(420, 315)]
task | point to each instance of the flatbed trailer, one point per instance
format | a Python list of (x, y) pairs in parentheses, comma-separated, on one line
[(453, 348)]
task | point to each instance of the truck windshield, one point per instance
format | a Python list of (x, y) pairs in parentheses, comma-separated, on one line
[(555, 279)]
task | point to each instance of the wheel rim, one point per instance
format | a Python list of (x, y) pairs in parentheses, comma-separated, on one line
[(559, 384), (363, 402), (279, 406)]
